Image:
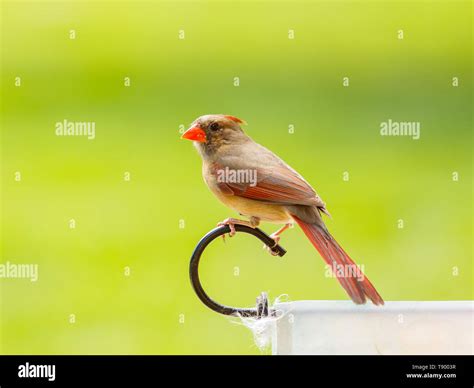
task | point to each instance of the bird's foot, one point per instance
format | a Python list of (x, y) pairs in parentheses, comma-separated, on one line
[(275, 237), (234, 221)]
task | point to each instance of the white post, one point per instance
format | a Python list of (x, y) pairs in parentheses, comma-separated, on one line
[(341, 327)]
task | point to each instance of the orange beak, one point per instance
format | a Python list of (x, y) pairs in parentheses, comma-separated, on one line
[(196, 134)]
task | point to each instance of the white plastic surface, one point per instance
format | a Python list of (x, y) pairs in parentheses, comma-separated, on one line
[(341, 327)]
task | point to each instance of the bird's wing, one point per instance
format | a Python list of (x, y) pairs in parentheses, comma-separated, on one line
[(275, 182)]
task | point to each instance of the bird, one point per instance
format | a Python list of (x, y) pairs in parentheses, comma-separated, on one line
[(253, 181)]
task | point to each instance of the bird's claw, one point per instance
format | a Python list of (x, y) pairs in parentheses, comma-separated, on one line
[(270, 250), (231, 227)]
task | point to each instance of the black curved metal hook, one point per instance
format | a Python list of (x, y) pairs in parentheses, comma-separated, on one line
[(262, 301)]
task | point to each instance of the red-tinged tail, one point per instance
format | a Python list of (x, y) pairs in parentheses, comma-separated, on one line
[(347, 272)]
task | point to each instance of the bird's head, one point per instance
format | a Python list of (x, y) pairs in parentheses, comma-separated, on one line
[(210, 132)]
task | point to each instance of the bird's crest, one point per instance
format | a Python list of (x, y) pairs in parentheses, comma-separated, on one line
[(235, 119)]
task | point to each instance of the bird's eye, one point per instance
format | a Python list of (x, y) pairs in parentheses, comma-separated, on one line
[(214, 126)]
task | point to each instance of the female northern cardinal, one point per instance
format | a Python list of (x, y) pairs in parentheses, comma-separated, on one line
[(255, 182)]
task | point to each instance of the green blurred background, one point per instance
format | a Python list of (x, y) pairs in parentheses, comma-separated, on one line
[(136, 223)]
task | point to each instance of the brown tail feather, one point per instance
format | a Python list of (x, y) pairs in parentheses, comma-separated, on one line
[(335, 256)]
